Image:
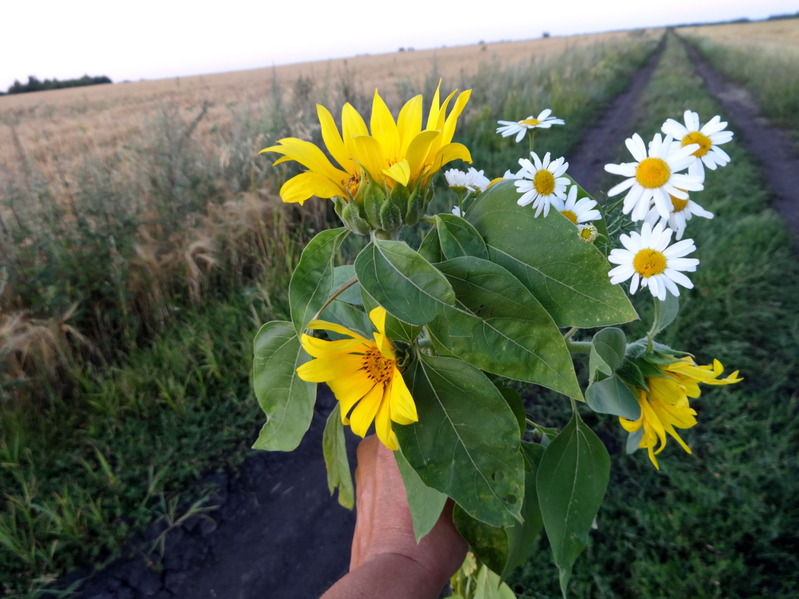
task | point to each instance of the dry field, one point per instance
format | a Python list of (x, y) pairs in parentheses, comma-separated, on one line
[(52, 128), (776, 36)]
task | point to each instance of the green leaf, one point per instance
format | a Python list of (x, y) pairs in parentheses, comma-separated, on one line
[(430, 248), (425, 502), (607, 351), (338, 466), (665, 313), (466, 443), (350, 317), (522, 536), (504, 549), (286, 399), (488, 543), (344, 274), (404, 283), (459, 238), (571, 481), (396, 330), (612, 396), (498, 326), (312, 280), (568, 276), (490, 586)]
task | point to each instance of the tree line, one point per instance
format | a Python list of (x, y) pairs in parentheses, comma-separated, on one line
[(36, 85)]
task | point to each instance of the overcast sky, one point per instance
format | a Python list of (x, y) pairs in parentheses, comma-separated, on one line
[(152, 39)]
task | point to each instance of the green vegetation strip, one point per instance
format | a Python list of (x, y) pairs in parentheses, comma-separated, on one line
[(721, 522)]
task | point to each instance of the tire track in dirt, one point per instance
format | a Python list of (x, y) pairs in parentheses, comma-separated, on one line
[(771, 147), (593, 152)]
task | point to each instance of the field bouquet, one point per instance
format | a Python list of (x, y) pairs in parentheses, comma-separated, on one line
[(456, 298)]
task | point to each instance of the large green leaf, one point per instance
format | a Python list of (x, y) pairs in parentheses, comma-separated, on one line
[(425, 502), (334, 448), (403, 282), (612, 396), (568, 276), (607, 352), (498, 326), (459, 238), (286, 399), (312, 280), (572, 478), (503, 549), (466, 442)]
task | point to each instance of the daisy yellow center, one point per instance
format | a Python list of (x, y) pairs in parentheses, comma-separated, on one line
[(530, 122), (649, 262), (679, 205), (378, 368), (695, 137), (570, 215), (652, 173), (544, 182)]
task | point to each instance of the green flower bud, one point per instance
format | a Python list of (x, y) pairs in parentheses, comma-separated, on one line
[(390, 217), (352, 219), (373, 199)]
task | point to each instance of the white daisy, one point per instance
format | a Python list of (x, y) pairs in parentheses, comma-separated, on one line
[(654, 176), (578, 212), (541, 182), (709, 137), (471, 180), (457, 211), (648, 259), (587, 233), (683, 211), (520, 128)]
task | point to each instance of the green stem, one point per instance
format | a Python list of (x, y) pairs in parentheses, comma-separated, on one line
[(344, 286), (578, 347)]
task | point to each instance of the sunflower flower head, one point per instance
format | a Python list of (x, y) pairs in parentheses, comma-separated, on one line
[(665, 405), (364, 376), (388, 162)]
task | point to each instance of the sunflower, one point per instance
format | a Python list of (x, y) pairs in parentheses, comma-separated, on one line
[(363, 375), (388, 151), (665, 406)]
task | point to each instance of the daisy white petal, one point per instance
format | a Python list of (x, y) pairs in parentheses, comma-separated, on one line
[(707, 137), (541, 182), (656, 175), (650, 261)]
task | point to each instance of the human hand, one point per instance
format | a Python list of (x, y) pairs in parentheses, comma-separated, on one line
[(386, 561)]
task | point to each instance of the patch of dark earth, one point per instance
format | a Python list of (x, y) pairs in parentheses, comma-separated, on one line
[(275, 531)]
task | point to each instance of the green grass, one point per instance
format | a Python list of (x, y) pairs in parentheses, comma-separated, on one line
[(772, 77), (722, 522)]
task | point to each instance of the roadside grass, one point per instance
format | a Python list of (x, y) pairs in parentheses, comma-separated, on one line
[(771, 76), (128, 311), (723, 521)]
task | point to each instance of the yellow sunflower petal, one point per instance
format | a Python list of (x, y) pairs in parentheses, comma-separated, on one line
[(352, 123), (383, 427), (403, 408), (325, 371), (333, 141), (383, 127), (307, 185), (409, 122), (368, 153), (363, 414), (399, 172), (324, 325)]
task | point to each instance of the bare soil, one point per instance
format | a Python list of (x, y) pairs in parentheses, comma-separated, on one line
[(276, 531)]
